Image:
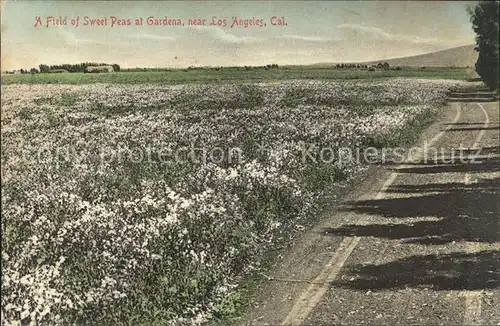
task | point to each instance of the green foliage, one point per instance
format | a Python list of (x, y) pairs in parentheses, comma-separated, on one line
[(67, 67), (68, 99), (404, 136), (44, 68), (484, 18), (230, 76), (294, 97), (227, 308)]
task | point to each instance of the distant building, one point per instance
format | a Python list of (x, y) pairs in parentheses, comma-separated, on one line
[(97, 69)]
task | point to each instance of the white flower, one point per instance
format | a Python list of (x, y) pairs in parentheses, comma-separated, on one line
[(25, 314), (26, 280), (233, 174)]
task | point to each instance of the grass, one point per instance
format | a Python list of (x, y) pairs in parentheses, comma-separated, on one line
[(231, 75)]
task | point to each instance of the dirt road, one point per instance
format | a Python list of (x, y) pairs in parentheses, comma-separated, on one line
[(416, 243)]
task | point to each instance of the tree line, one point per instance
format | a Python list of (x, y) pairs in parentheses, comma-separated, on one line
[(78, 67), (350, 65), (382, 65)]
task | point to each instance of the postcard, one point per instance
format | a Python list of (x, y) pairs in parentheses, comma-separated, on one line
[(250, 162)]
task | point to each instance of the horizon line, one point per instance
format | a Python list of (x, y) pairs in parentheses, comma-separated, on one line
[(237, 66)]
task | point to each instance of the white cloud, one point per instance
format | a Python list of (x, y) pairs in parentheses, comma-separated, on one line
[(308, 38), (383, 35), (224, 36), (146, 36), (70, 38)]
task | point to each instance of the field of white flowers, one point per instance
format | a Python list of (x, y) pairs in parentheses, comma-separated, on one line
[(141, 204)]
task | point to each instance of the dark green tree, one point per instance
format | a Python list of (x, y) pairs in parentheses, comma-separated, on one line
[(44, 68), (484, 18)]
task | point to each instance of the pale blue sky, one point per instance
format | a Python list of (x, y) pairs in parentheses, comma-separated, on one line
[(326, 31)]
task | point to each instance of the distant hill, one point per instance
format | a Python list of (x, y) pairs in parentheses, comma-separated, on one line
[(462, 56)]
